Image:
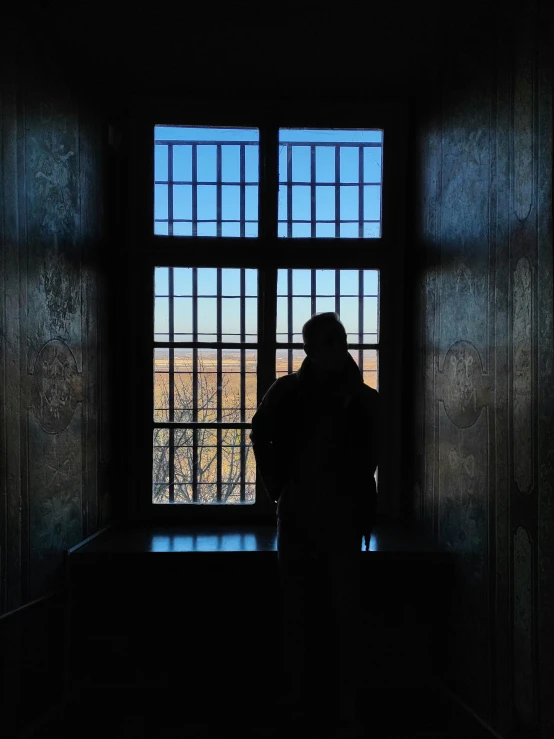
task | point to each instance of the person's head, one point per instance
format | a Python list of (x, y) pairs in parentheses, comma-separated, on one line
[(325, 341)]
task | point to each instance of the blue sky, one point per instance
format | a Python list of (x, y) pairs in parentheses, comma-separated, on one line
[(349, 194)]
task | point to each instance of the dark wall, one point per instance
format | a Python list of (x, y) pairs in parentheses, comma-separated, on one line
[(483, 466), (54, 394)]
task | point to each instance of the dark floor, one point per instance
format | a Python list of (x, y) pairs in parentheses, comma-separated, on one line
[(413, 714)]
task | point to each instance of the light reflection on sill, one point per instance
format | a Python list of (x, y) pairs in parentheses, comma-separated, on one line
[(222, 543)]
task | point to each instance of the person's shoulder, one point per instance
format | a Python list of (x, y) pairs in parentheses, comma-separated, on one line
[(369, 395), (282, 386)]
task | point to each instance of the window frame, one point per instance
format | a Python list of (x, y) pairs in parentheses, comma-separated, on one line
[(267, 253)]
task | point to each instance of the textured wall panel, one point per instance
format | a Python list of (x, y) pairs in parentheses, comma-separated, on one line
[(524, 678), (522, 391)]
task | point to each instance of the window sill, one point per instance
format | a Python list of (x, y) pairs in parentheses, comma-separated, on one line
[(390, 541)]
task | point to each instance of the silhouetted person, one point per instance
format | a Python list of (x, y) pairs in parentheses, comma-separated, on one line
[(315, 439)]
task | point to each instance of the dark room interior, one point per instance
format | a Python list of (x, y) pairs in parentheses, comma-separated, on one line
[(133, 604)]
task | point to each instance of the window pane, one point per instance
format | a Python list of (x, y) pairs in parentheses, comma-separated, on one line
[(372, 203), (182, 281), (301, 167), (325, 204), (342, 149), (182, 318), (230, 163), (349, 203), (197, 149), (349, 164), (182, 202), (160, 163), (182, 163), (230, 203), (372, 164), (161, 280)]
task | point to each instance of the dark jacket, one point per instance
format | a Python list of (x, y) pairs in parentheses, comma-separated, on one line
[(297, 459)]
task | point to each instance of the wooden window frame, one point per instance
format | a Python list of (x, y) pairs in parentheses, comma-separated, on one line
[(267, 253)]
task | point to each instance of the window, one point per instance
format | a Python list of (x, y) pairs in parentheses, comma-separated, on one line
[(353, 294), (246, 231), (205, 358), (330, 183), (206, 181)]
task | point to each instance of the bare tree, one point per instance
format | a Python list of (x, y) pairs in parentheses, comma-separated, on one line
[(232, 442)]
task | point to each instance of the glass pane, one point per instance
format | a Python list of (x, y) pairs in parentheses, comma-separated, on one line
[(182, 202), (230, 163), (284, 358), (182, 163), (182, 229), (325, 281), (301, 164), (349, 164), (206, 203), (161, 280), (160, 201), (301, 203), (301, 281), (370, 315), (161, 318), (230, 318), (349, 203), (160, 163), (325, 204), (230, 203), (207, 282), (161, 229), (182, 318), (349, 282), (251, 319), (282, 319), (251, 280), (371, 282), (206, 163), (342, 149), (372, 164), (325, 164), (252, 164), (372, 203), (182, 281)]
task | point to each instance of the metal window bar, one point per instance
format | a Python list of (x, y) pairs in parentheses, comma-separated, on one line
[(242, 195), (171, 489), (289, 317), (242, 384), (194, 190), (289, 191), (361, 212), (170, 190), (337, 291), (195, 385), (361, 319), (219, 380), (313, 291), (218, 190), (312, 191), (337, 192)]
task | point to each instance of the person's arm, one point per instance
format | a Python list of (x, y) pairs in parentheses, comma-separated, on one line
[(262, 437)]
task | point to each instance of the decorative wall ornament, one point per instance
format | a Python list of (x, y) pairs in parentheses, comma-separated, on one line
[(461, 384), (56, 386)]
